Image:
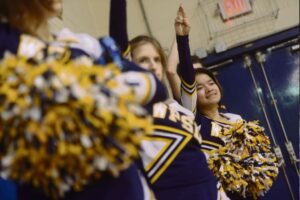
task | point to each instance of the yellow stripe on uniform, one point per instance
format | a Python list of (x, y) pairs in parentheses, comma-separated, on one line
[(191, 86), (168, 141), (187, 137), (211, 143)]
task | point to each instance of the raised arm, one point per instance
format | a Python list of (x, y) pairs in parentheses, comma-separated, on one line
[(118, 23), (172, 75), (186, 70)]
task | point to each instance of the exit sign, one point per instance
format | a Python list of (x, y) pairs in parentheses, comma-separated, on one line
[(233, 8)]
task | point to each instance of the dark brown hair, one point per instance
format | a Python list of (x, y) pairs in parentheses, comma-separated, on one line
[(25, 15)]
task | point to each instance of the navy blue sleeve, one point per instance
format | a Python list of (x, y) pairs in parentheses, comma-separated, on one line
[(118, 23), (186, 69), (187, 75)]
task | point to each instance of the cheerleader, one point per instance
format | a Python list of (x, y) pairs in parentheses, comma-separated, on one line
[(170, 157), (70, 123), (238, 152)]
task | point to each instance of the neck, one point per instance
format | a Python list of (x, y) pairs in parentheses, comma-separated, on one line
[(211, 112), (43, 32)]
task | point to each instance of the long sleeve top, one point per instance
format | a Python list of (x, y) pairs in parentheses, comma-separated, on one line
[(187, 74)]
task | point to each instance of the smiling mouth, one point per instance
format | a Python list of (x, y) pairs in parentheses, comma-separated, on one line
[(211, 95)]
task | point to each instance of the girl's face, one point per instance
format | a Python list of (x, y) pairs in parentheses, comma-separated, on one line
[(208, 92), (148, 58)]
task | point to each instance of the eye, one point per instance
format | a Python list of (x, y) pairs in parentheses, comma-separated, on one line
[(199, 87), (157, 59), (211, 83), (142, 60)]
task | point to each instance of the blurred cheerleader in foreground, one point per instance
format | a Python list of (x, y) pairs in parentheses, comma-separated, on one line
[(62, 128), (71, 121)]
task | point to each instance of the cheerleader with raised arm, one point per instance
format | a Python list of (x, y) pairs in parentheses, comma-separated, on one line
[(238, 152)]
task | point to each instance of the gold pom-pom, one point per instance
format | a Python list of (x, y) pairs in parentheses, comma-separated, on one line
[(61, 126), (245, 165)]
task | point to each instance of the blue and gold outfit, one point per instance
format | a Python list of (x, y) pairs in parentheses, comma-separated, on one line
[(70, 119), (238, 152), (172, 159)]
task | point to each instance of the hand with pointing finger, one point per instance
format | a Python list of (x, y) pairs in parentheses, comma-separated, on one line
[(182, 24)]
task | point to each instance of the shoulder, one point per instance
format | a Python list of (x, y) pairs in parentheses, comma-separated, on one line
[(6, 30), (19, 43), (9, 38)]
